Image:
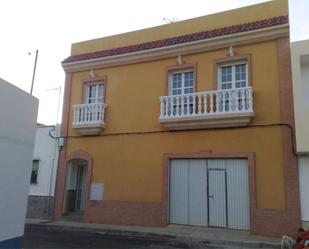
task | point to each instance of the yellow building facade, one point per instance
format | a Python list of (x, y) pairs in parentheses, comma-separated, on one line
[(186, 123)]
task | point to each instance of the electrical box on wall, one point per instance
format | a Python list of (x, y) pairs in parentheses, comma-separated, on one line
[(96, 192)]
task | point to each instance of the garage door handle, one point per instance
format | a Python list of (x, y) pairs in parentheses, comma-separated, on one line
[(211, 197)]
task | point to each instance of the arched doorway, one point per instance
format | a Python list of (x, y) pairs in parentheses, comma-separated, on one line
[(75, 187)]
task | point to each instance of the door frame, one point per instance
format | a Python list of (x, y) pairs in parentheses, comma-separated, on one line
[(249, 156), (79, 155), (83, 185), (225, 196)]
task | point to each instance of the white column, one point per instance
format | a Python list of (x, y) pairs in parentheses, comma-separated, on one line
[(211, 95)]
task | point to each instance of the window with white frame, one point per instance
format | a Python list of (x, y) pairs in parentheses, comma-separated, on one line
[(34, 171), (181, 82), (94, 93), (233, 76)]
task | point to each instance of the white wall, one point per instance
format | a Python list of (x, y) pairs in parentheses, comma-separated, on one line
[(45, 149), (304, 68), (300, 73), (303, 163), (18, 112)]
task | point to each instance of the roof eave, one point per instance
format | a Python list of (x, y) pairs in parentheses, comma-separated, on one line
[(236, 39)]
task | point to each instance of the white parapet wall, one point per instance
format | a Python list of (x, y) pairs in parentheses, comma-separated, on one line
[(18, 116), (300, 72), (303, 163)]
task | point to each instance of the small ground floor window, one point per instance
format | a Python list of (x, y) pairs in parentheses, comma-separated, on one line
[(34, 172)]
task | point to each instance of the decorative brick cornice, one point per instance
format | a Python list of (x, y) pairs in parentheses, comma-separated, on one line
[(228, 30)]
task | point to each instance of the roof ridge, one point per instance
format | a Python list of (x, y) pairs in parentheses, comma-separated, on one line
[(201, 35)]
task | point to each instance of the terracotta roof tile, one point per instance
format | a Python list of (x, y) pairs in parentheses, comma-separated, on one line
[(181, 39)]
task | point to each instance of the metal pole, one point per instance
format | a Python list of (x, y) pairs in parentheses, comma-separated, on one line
[(34, 68)]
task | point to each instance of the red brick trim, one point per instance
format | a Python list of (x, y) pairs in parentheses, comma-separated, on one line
[(291, 218), (61, 180), (66, 104), (80, 154)]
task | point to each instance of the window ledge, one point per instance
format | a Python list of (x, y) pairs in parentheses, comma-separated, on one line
[(209, 121)]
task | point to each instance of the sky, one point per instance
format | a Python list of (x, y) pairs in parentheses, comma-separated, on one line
[(51, 26)]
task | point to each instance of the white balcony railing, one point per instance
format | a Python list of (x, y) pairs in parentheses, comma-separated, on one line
[(230, 107), (88, 117)]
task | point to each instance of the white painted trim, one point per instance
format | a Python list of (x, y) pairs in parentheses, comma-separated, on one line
[(237, 39), (86, 131), (214, 121), (233, 65), (87, 89), (182, 72)]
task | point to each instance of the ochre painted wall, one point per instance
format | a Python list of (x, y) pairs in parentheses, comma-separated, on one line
[(217, 20), (131, 166), (133, 91)]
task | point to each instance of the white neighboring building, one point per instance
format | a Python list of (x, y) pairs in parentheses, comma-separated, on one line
[(44, 171), (300, 72), (18, 112)]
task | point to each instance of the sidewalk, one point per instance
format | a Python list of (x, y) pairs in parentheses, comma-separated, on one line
[(205, 235)]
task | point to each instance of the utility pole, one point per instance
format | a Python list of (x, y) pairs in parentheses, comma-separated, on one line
[(34, 68)]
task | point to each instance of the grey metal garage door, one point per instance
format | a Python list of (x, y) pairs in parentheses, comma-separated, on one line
[(209, 192)]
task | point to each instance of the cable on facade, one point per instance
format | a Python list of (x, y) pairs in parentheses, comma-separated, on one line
[(176, 131)]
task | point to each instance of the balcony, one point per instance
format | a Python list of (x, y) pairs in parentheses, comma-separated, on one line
[(88, 119), (214, 109)]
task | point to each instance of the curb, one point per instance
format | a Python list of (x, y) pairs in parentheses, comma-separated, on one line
[(109, 231)]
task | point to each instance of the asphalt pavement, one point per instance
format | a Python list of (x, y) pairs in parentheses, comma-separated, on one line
[(50, 238)]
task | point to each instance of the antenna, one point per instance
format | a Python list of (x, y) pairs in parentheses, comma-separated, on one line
[(170, 20)]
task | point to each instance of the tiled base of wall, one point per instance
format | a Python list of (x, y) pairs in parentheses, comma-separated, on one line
[(265, 222), (272, 222), (127, 213), (38, 207)]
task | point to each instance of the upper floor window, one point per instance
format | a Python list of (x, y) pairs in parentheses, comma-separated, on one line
[(94, 93), (181, 83), (232, 76)]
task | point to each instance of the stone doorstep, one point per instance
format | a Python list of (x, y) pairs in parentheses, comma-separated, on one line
[(182, 233)]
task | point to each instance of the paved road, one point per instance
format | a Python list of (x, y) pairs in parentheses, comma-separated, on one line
[(48, 238)]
